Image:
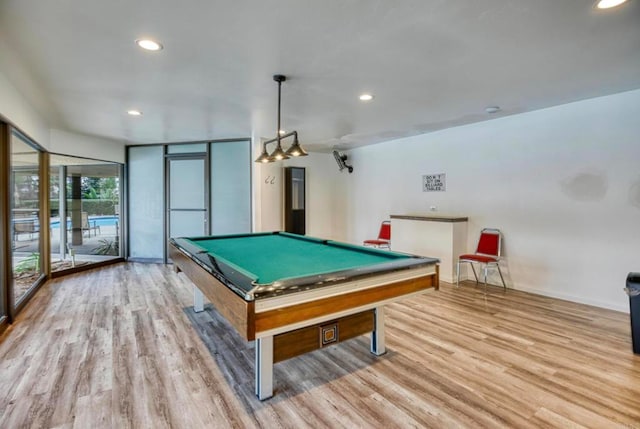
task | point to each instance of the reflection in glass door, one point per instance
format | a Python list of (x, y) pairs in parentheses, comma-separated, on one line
[(25, 216), (187, 199)]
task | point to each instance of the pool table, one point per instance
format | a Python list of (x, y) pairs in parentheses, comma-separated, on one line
[(293, 294)]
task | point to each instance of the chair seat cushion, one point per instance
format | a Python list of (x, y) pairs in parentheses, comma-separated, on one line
[(377, 242), (478, 258)]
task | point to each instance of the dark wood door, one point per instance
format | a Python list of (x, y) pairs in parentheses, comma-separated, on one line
[(294, 200)]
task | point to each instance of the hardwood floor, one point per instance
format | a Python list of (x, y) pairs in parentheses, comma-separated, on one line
[(120, 347)]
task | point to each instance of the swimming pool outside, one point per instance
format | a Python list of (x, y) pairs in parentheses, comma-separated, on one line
[(99, 221)]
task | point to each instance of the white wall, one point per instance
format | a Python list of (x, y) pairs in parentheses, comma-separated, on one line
[(563, 184), (267, 194), (86, 146), (15, 108), (325, 192), (20, 113)]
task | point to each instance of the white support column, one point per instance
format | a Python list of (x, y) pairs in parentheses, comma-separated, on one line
[(264, 367), (377, 336), (198, 300)]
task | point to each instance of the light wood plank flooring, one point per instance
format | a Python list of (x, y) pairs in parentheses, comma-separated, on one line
[(120, 347)]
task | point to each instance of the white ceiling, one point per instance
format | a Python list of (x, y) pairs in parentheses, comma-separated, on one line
[(431, 64)]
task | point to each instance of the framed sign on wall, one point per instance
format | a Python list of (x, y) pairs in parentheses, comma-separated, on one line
[(434, 182)]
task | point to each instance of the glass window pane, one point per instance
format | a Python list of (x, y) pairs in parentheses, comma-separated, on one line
[(186, 184), (186, 224), (146, 202), (297, 188), (25, 211), (230, 187), (87, 193), (187, 148)]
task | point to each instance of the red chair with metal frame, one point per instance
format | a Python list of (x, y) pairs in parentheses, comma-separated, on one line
[(487, 255), (384, 237)]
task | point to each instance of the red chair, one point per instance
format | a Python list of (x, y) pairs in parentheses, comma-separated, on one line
[(384, 237), (487, 255)]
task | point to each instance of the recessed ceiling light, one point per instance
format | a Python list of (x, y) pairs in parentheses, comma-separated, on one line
[(492, 109), (149, 45), (608, 4), (366, 97), (134, 112)]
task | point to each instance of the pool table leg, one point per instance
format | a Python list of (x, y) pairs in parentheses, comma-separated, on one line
[(198, 300), (377, 336), (264, 367)]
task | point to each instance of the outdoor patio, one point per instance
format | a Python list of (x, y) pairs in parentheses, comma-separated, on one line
[(98, 244)]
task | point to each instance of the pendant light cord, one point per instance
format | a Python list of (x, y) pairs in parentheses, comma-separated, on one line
[(279, 92)]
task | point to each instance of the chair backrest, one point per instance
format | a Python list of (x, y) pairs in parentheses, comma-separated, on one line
[(385, 231), (85, 220), (490, 242)]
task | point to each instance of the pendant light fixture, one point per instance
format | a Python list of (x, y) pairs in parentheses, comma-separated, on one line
[(279, 153)]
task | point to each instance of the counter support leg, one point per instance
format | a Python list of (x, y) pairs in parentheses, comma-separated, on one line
[(264, 367), (377, 336)]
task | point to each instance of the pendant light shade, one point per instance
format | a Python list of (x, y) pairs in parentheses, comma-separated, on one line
[(264, 156), (296, 149), (279, 154)]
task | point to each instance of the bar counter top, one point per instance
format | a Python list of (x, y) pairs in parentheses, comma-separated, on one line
[(431, 218)]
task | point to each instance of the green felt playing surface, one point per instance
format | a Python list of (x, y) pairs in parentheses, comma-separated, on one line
[(274, 257)]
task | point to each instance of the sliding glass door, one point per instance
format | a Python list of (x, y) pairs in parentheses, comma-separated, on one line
[(56, 212), (85, 211)]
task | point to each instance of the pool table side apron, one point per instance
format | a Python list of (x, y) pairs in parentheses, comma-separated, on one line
[(238, 312)]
